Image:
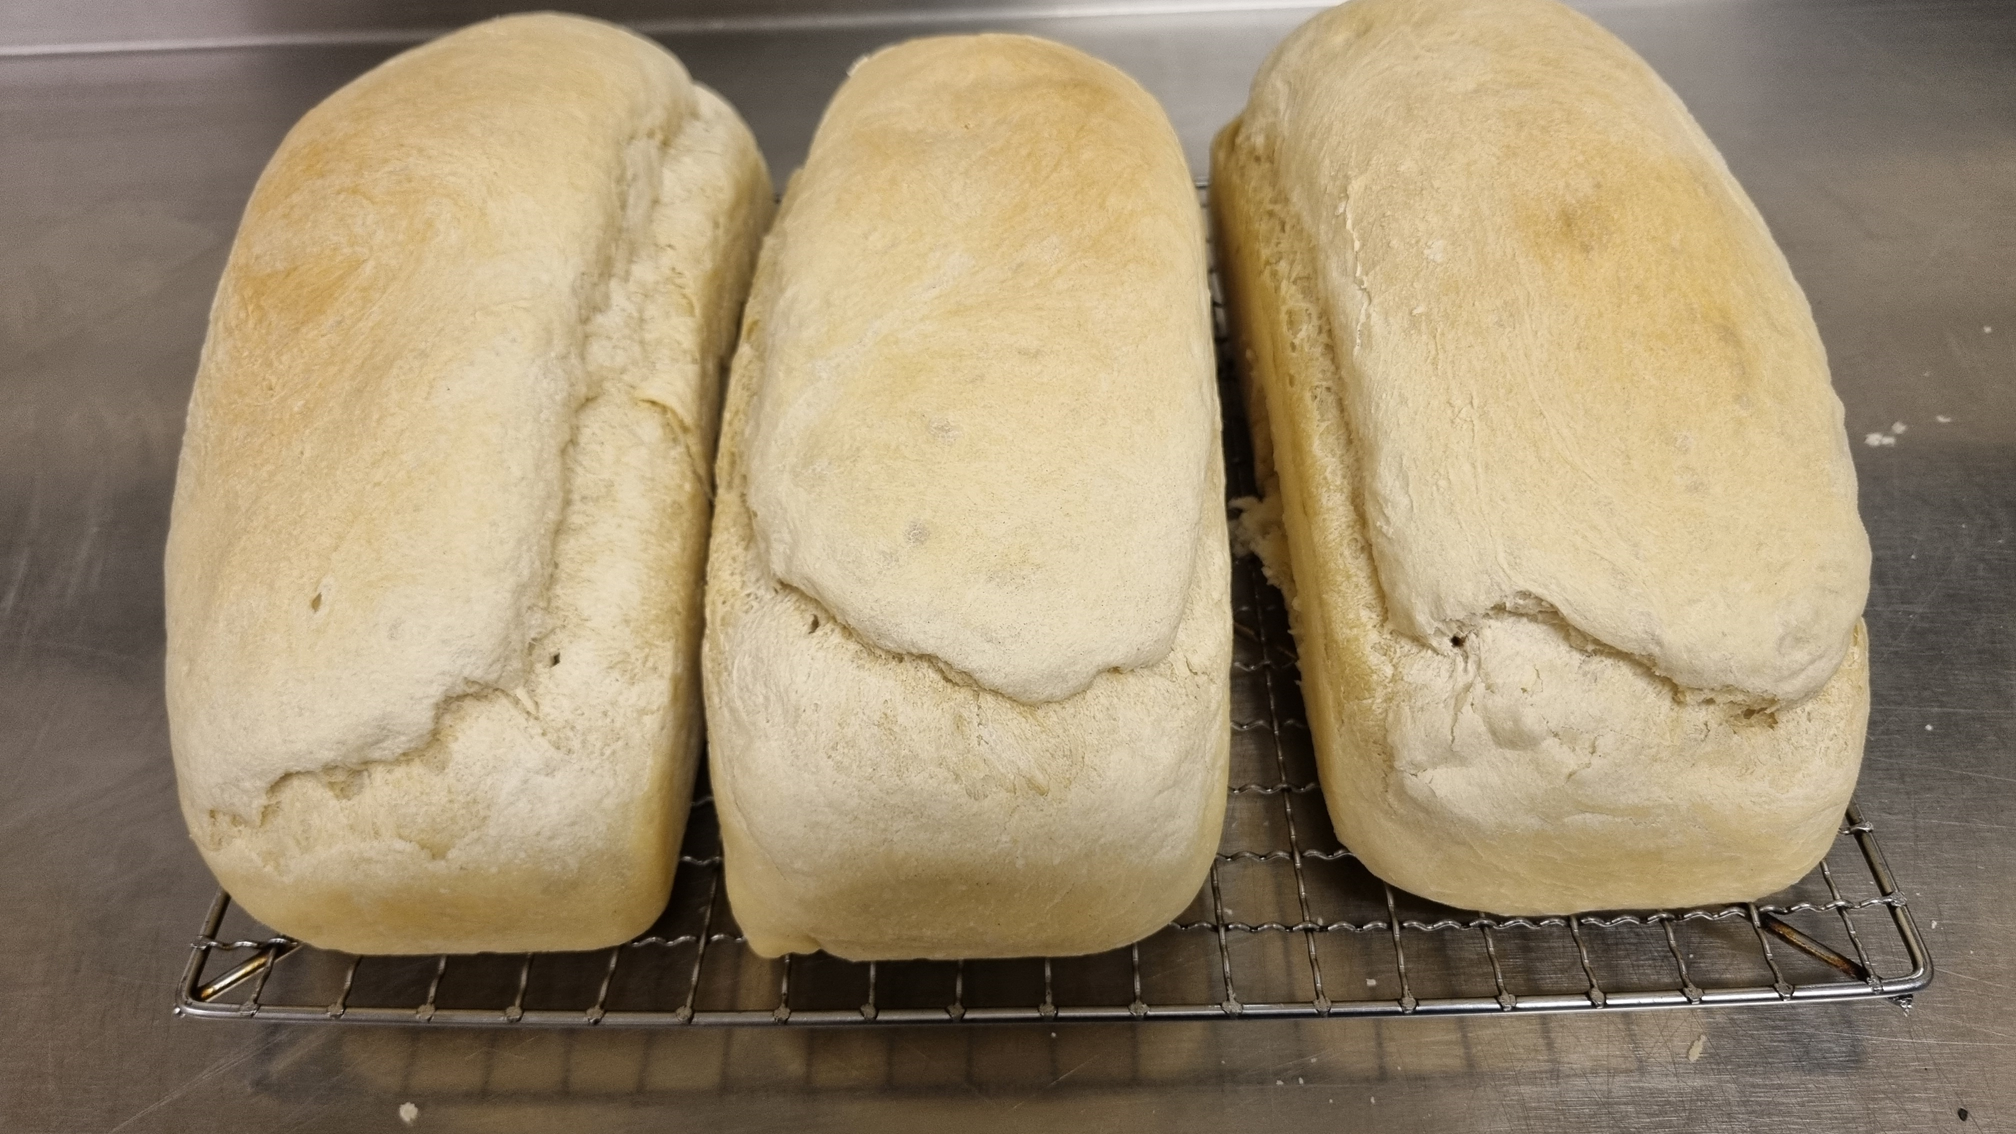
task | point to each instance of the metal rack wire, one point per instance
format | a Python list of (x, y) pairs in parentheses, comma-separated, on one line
[(1288, 924)]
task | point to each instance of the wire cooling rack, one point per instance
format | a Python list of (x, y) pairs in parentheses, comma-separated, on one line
[(1288, 924)]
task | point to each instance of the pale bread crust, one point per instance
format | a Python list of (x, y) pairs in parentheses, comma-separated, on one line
[(905, 471), (1602, 346), (881, 800), (1544, 760), (440, 520)]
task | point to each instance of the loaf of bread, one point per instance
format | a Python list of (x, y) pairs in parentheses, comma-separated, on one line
[(1573, 556), (433, 577), (968, 623)]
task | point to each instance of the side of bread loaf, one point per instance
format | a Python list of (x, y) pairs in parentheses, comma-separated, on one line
[(968, 625), (1574, 562), (433, 574)]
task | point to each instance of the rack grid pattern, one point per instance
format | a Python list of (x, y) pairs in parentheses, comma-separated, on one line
[(1288, 924)]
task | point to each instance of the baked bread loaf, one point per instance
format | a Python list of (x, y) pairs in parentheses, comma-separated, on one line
[(1573, 557), (433, 577), (968, 621)]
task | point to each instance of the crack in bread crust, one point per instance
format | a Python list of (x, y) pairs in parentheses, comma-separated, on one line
[(539, 801), (1436, 769)]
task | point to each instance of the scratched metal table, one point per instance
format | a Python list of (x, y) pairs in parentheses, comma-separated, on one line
[(1878, 137)]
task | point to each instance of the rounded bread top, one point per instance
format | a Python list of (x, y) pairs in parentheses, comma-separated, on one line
[(1580, 376), (373, 470), (986, 409)]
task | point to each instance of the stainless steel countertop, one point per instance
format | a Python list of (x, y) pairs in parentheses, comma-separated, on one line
[(1877, 136)]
